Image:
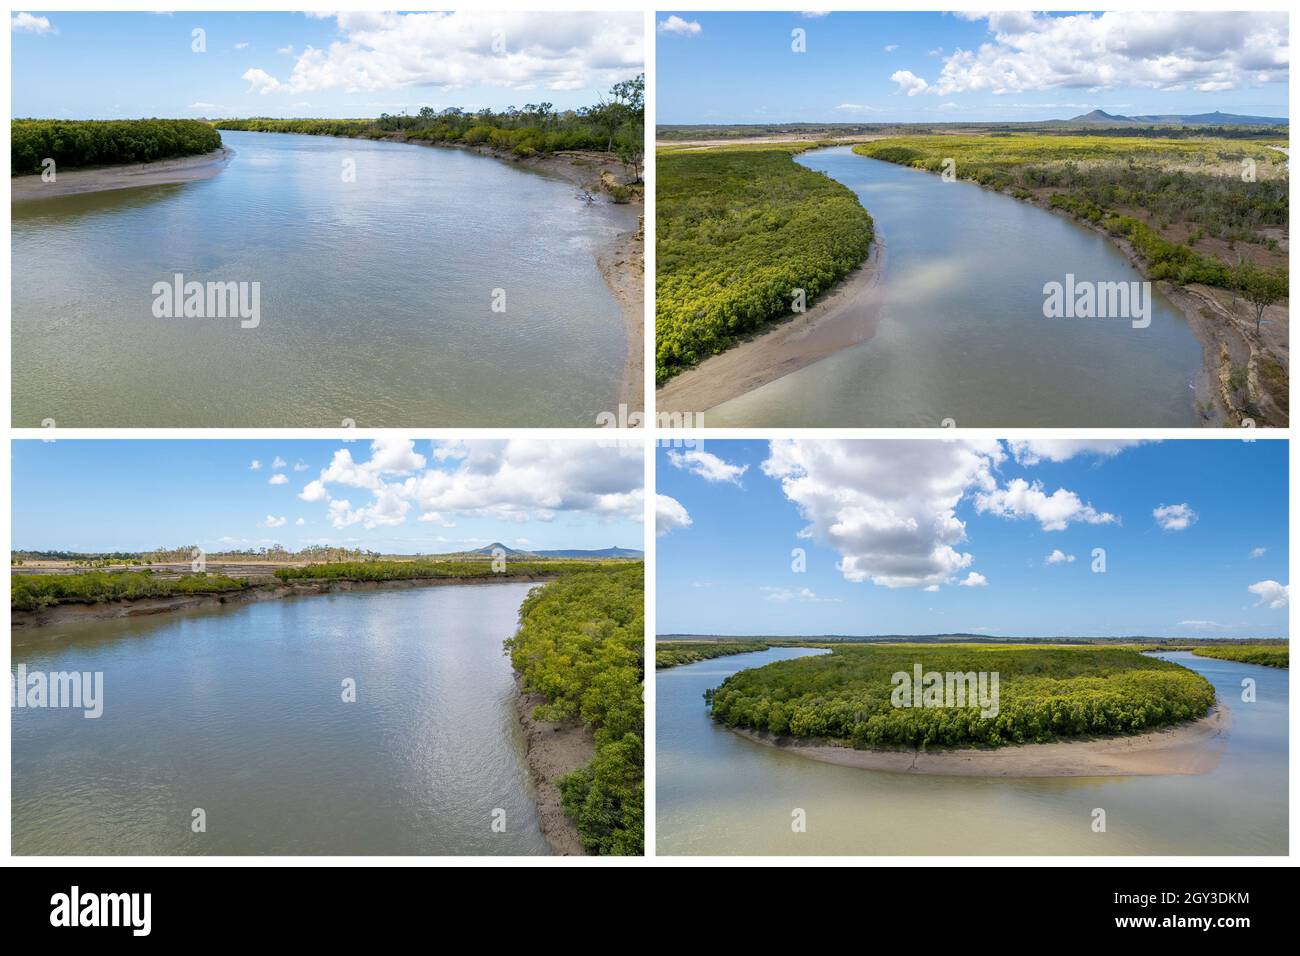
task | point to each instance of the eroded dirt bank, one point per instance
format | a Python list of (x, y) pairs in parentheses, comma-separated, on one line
[(554, 750)]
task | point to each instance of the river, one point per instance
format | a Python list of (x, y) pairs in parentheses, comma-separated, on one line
[(376, 297), (240, 713), (962, 334), (719, 793)]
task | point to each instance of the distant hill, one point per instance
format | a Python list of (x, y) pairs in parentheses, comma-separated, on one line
[(495, 547), (490, 549), (1216, 118)]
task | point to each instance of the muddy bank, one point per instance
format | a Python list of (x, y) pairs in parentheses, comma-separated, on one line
[(1185, 750), (69, 613), (554, 750), (847, 315), (186, 169), (623, 268)]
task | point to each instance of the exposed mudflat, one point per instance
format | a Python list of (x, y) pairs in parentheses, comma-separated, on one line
[(1187, 749)]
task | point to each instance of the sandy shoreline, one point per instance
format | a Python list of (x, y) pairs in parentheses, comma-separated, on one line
[(1184, 750), (845, 316), (70, 613), (554, 750), (185, 169), (623, 268)]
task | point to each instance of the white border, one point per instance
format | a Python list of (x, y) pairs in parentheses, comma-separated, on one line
[(708, 434)]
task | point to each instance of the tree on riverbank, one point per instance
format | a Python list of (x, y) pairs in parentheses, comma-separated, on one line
[(1260, 287), (580, 645), (615, 124)]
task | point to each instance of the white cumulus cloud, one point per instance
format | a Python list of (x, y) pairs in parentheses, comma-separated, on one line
[(669, 515), (512, 50), (1272, 593), (1059, 557), (908, 82), (514, 480), (708, 466), (887, 507), (675, 24), (1174, 517), (27, 23), (1032, 451), (1054, 512), (1165, 50)]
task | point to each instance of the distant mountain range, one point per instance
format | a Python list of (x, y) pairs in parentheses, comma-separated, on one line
[(1216, 118), (565, 553)]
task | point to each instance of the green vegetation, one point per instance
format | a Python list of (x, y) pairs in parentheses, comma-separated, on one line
[(1256, 652), (673, 653), (613, 125), (30, 592), (417, 570), (1164, 194), (1045, 693), (72, 143), (580, 644), (738, 230)]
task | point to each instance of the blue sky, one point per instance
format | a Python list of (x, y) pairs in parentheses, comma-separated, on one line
[(935, 67), (893, 513), (127, 65), (106, 495)]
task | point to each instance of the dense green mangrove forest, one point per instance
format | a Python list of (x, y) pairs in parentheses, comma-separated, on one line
[(1044, 694), (73, 143), (738, 230), (675, 653), (580, 644), (31, 592), (1265, 654)]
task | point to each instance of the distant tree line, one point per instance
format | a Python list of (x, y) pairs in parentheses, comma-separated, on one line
[(385, 570), (1266, 654), (675, 653), (615, 124)]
